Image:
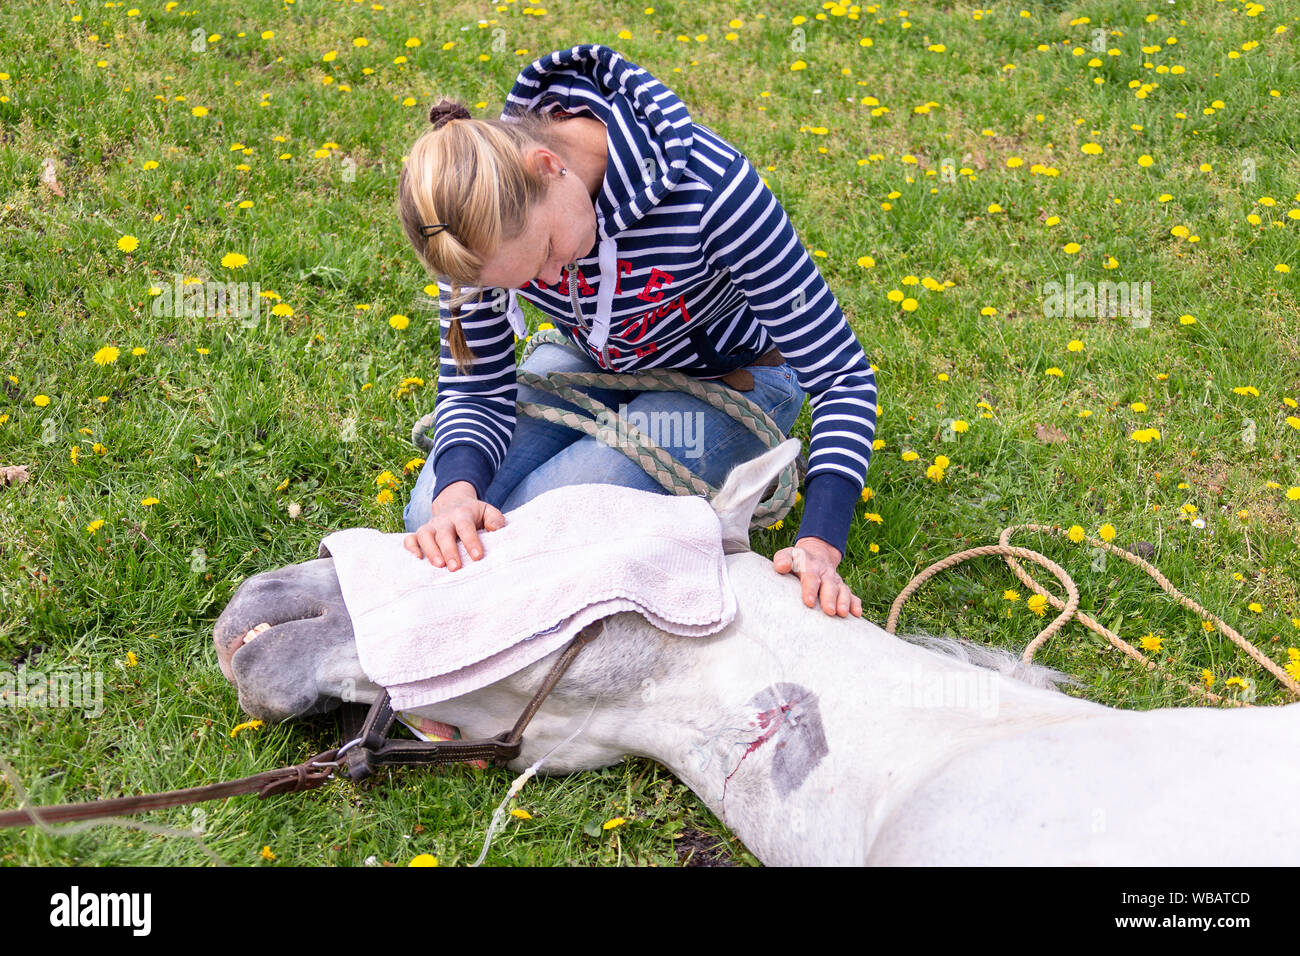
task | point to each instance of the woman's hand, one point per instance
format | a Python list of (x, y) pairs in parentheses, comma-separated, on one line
[(457, 516), (815, 562)]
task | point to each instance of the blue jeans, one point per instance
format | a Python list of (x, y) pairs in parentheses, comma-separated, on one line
[(545, 455)]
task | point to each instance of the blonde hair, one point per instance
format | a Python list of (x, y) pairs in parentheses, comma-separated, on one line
[(470, 174)]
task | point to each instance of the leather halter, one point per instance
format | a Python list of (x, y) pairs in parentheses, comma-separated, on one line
[(360, 757)]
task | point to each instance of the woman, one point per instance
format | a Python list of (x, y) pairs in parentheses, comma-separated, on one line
[(652, 243)]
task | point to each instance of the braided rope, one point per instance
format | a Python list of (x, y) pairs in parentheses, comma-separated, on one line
[(620, 434), (1069, 609)]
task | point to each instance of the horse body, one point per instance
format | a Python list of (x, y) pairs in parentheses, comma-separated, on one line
[(821, 740)]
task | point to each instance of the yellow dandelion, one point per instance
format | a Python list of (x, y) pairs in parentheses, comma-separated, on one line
[(128, 243), (1010, 595), (1106, 532), (399, 322), (1037, 604), (1151, 642), (267, 854), (246, 725), (132, 660), (423, 859), (521, 814), (612, 824), (107, 355), (234, 260)]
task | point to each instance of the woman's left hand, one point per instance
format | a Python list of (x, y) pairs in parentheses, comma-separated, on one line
[(815, 562)]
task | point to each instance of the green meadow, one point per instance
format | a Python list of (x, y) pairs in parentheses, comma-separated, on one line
[(954, 169)]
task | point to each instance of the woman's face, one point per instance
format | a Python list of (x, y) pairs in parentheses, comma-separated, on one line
[(561, 229)]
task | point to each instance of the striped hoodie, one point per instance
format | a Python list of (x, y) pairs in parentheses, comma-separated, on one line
[(696, 268)]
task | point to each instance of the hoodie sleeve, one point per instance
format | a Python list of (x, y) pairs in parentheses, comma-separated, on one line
[(746, 230), (474, 413)]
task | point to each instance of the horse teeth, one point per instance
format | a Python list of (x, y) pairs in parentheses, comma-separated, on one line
[(255, 631)]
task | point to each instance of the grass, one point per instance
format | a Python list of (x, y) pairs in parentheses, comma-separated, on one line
[(257, 441)]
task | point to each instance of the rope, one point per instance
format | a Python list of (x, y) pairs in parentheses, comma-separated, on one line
[(1069, 609), (618, 433)]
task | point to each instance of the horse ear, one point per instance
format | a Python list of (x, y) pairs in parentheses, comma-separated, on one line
[(740, 493)]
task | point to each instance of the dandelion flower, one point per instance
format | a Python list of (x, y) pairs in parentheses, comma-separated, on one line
[(128, 243), (107, 355), (424, 859), (246, 725)]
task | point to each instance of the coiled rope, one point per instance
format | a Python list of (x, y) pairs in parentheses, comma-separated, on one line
[(610, 428), (1069, 608)]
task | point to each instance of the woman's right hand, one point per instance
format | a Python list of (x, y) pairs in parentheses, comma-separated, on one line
[(457, 516)]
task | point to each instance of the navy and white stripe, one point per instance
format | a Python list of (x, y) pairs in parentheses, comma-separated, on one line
[(710, 275)]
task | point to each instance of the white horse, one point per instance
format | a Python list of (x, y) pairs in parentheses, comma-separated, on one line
[(821, 740)]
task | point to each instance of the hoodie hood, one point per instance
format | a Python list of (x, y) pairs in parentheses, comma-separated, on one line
[(649, 132)]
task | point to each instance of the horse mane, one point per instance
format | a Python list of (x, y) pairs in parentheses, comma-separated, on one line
[(994, 658)]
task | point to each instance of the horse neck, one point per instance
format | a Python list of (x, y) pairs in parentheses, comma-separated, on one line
[(795, 728)]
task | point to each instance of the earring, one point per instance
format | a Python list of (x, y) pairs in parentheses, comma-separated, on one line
[(564, 172)]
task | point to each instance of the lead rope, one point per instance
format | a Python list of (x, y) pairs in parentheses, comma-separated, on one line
[(617, 432), (1069, 609)]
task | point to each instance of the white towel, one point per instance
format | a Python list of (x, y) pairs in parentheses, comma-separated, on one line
[(566, 558)]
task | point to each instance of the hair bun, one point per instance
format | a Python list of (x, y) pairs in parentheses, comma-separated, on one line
[(446, 111)]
